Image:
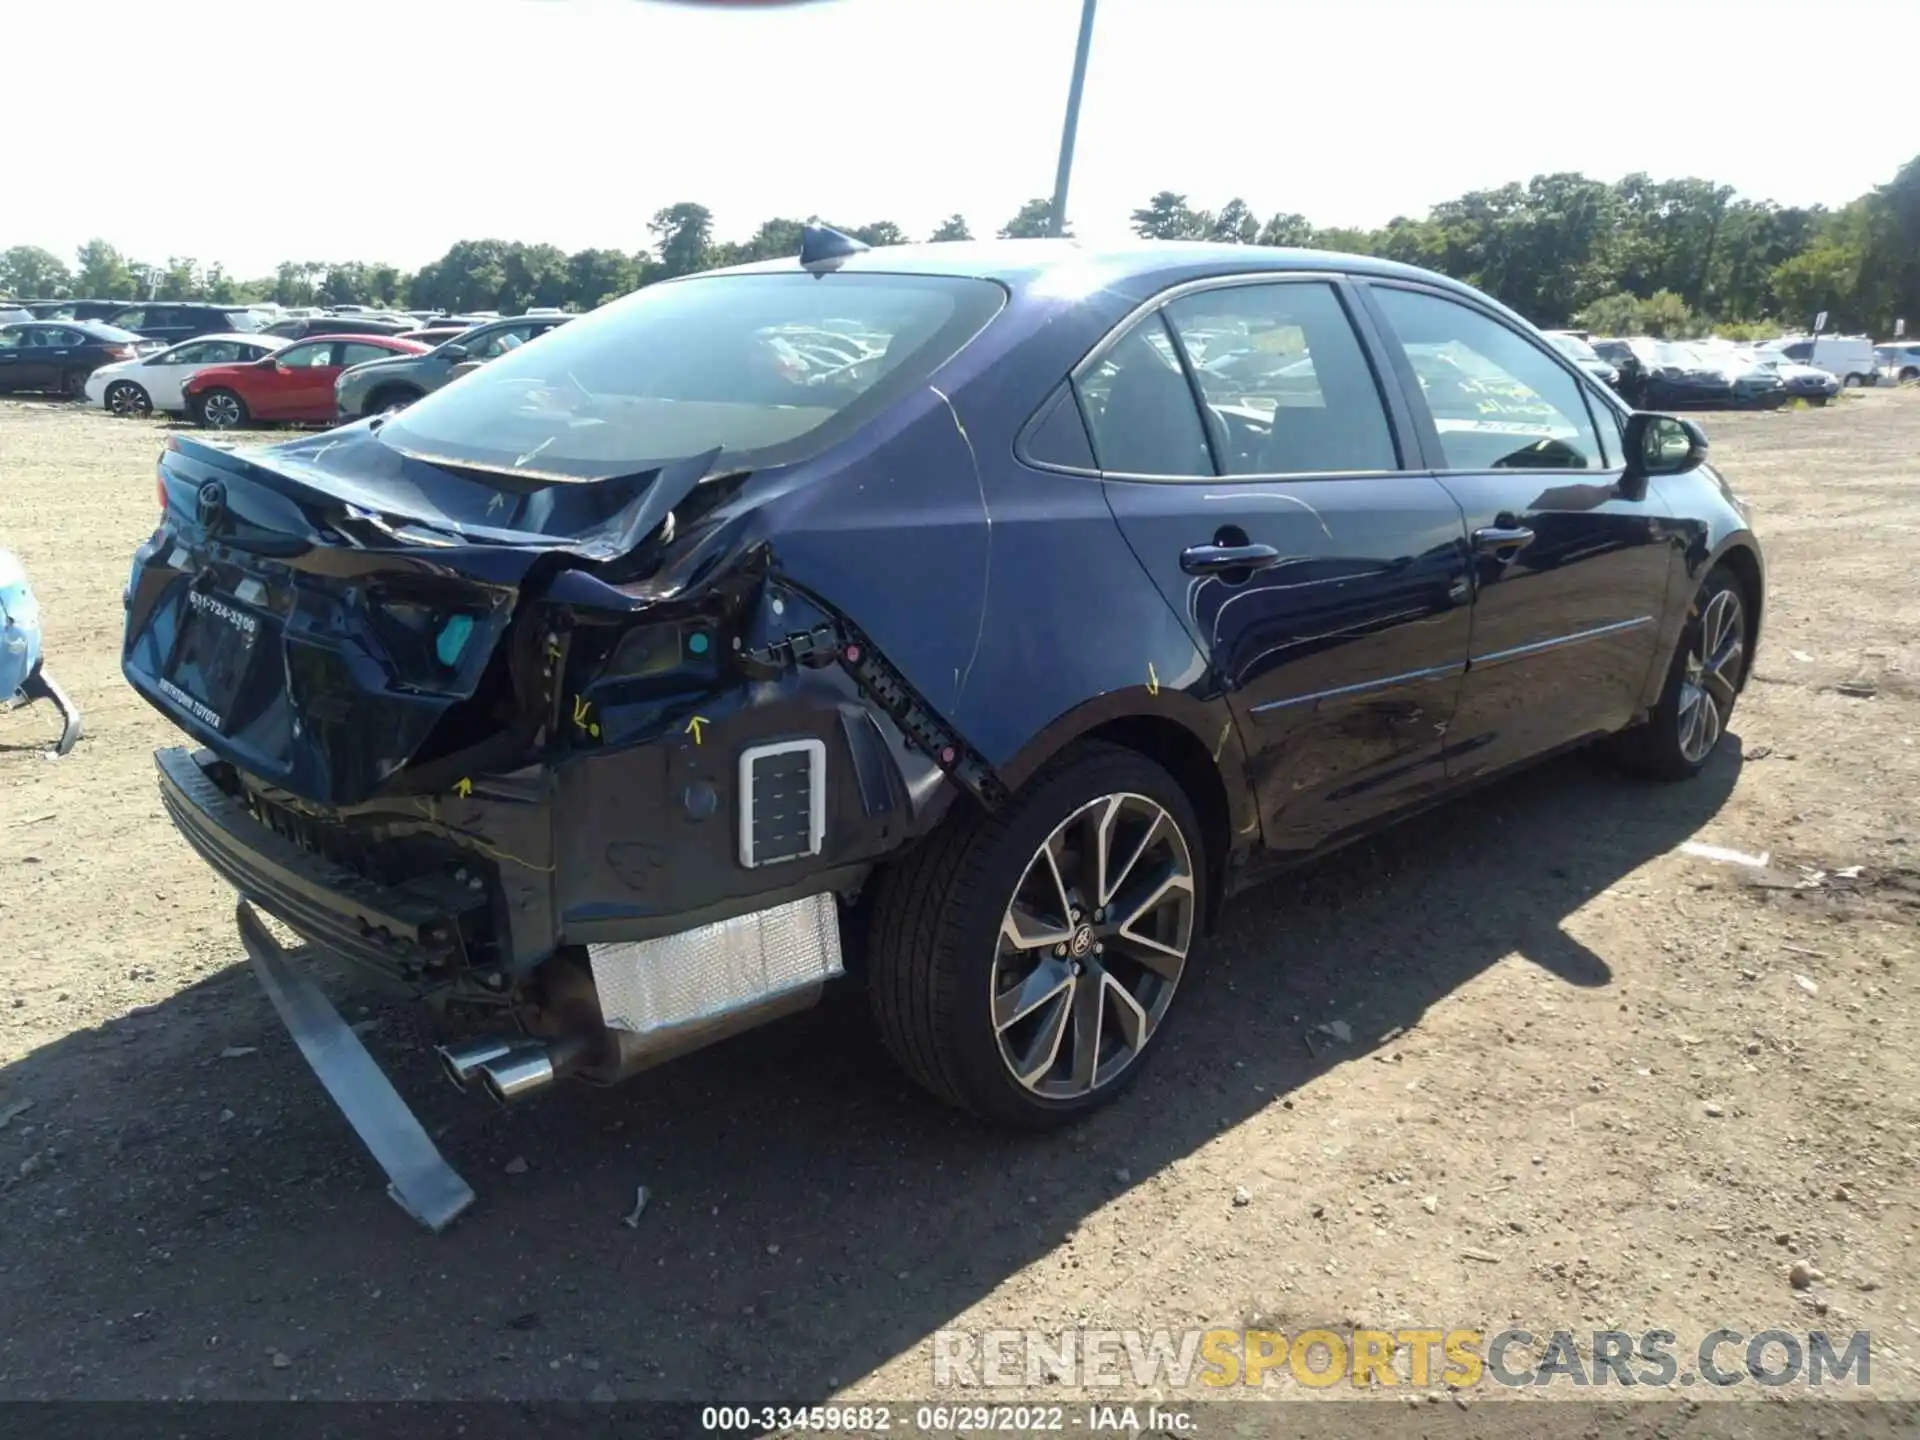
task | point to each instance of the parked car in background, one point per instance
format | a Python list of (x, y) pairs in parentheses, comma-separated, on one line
[(1672, 375), (172, 323), (1899, 362), (1802, 382), (1849, 358), (74, 309), (435, 334), (299, 327), (1577, 349), (1629, 356), (12, 314), (391, 384), (152, 382), (295, 383), (57, 356)]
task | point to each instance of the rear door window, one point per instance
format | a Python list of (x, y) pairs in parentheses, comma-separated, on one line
[(1287, 386), (1140, 410)]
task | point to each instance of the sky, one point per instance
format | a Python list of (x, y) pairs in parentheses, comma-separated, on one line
[(387, 129)]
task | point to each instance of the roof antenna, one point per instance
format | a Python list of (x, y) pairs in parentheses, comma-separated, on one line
[(825, 247)]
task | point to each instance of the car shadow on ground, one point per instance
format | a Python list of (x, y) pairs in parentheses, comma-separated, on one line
[(812, 1216)]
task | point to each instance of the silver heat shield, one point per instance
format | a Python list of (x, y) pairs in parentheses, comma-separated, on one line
[(665, 996)]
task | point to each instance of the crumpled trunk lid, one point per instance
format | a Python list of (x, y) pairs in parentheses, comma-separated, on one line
[(325, 630)]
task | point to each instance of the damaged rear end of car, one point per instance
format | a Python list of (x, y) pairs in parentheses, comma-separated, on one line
[(513, 699)]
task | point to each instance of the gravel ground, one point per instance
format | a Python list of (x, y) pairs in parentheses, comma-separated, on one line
[(1591, 1081)]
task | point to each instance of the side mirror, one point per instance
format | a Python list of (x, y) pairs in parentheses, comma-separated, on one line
[(453, 351), (1660, 445)]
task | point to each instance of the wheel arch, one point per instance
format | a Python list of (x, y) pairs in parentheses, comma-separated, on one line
[(1741, 556), (1195, 741), (386, 389)]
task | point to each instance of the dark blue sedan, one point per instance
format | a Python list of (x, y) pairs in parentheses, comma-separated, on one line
[(57, 356), (991, 611)]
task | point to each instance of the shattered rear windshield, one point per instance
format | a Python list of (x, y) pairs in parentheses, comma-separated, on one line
[(771, 368)]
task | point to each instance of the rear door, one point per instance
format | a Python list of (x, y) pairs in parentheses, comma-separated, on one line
[(36, 368), (1570, 575), (169, 323), (1284, 519)]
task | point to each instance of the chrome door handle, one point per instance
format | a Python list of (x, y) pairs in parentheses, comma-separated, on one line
[(1496, 538)]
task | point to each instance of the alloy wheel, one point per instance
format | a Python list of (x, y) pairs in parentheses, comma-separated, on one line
[(126, 399), (1713, 676), (1092, 946), (222, 411)]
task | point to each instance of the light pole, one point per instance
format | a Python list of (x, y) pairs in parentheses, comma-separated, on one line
[(1057, 220)]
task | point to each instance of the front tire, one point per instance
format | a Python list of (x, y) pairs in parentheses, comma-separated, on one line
[(220, 410), (1022, 965), (394, 398), (1909, 375), (1705, 677), (126, 399)]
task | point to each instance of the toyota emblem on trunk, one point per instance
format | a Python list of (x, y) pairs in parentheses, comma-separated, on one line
[(213, 504)]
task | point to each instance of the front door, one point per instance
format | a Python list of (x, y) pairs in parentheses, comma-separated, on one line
[(1326, 582), (1570, 575), (300, 382)]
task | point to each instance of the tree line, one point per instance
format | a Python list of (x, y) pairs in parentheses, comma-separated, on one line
[(1665, 257)]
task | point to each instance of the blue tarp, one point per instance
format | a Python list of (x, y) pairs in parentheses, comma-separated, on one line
[(19, 627)]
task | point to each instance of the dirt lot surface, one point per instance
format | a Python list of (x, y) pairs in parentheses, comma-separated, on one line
[(1592, 1082)]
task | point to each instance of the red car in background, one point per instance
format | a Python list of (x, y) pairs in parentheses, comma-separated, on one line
[(291, 384)]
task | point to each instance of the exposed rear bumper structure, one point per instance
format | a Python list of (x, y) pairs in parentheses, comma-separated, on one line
[(404, 929), (599, 1013)]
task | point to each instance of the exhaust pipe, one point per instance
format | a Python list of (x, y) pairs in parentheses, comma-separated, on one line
[(526, 1069), (462, 1062)]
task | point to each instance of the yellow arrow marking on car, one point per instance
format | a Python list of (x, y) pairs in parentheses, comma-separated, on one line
[(581, 710), (463, 787), (693, 727), (1153, 680)]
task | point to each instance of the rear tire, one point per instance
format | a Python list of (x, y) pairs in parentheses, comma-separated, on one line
[(1704, 678), (73, 384), (1909, 375), (1852, 382), (219, 410), (126, 399), (1002, 979)]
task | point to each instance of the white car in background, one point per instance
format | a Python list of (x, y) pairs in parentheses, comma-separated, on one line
[(1848, 358), (139, 387), (1899, 361)]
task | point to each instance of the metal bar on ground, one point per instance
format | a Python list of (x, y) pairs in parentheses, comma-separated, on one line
[(420, 1180)]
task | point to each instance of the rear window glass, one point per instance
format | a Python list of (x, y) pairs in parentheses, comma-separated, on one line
[(770, 368)]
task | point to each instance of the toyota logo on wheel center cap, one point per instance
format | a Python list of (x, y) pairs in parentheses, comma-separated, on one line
[(1082, 940)]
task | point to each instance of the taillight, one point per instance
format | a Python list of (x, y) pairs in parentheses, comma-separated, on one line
[(160, 489), (120, 352)]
